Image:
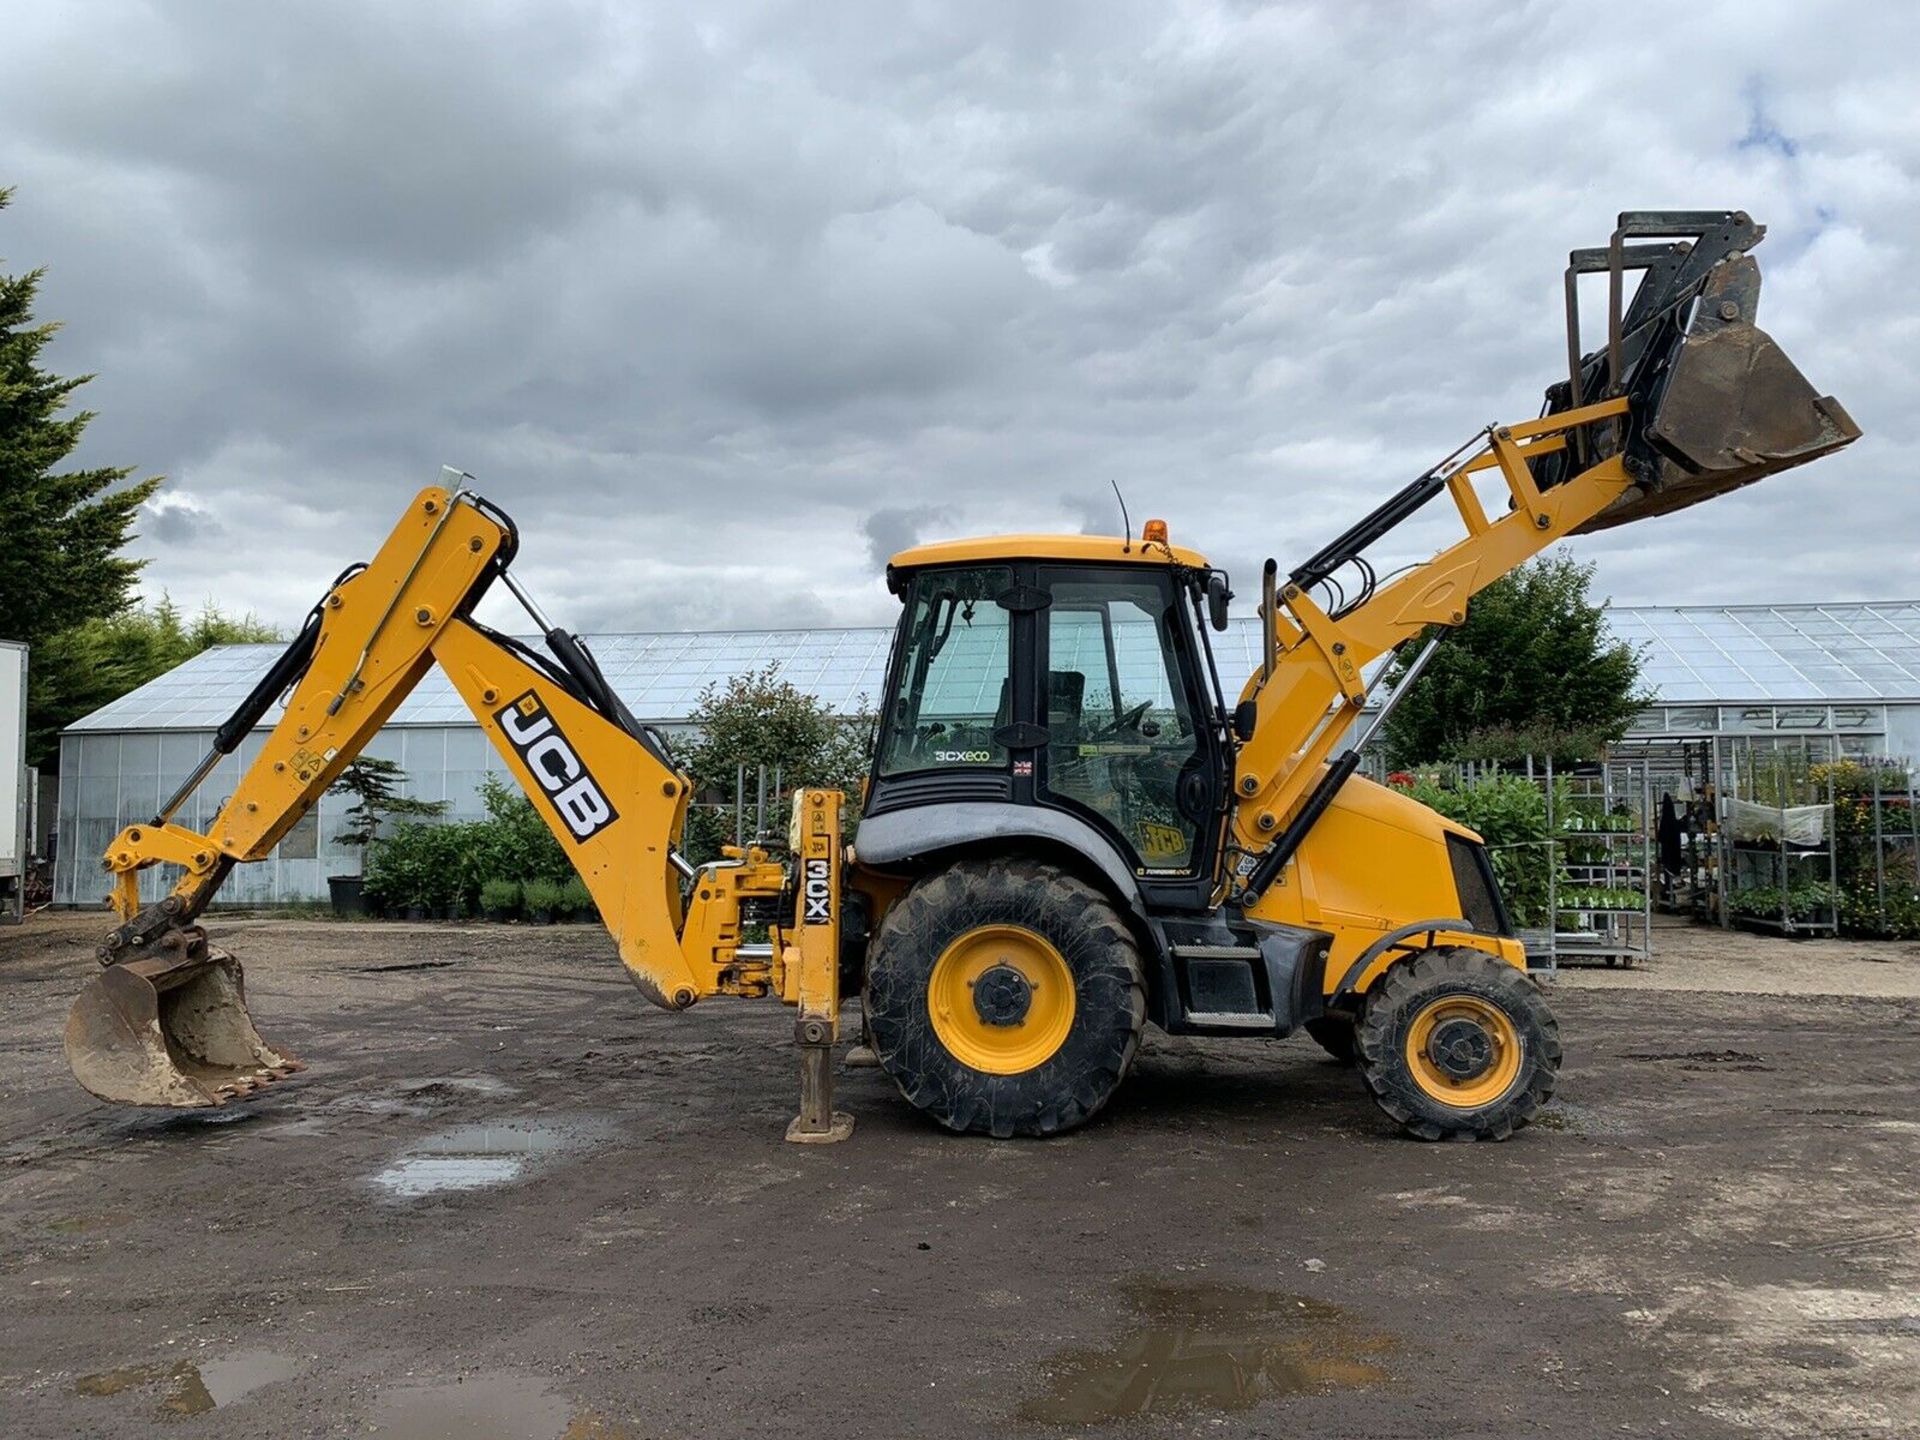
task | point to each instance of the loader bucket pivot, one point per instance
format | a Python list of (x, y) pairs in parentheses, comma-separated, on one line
[(171, 1030), (1716, 402)]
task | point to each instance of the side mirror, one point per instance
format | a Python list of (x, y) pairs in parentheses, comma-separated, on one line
[(1218, 594), (1244, 715)]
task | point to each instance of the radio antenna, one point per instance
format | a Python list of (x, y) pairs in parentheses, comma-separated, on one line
[(1126, 525)]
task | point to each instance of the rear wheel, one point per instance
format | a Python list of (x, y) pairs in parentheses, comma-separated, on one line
[(1458, 1044), (1005, 997)]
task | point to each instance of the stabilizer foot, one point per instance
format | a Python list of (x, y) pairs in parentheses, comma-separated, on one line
[(860, 1057), (839, 1126)]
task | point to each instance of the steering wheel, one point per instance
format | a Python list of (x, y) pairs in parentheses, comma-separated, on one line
[(1129, 721)]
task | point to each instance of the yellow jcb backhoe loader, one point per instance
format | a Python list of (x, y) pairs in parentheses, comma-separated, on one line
[(1067, 830)]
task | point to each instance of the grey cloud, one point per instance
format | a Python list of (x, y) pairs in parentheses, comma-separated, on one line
[(714, 297), (890, 530), (174, 519)]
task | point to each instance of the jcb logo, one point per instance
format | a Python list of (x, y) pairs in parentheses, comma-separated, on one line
[(817, 892), (538, 741)]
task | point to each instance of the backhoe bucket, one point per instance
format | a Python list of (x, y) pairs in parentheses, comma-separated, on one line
[(171, 1031)]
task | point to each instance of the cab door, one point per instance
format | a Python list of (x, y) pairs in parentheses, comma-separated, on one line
[(1129, 741)]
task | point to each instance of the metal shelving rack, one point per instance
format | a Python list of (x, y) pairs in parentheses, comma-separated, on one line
[(1746, 865), (1602, 910), (1688, 770)]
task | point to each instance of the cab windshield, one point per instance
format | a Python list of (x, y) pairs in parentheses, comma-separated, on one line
[(953, 677)]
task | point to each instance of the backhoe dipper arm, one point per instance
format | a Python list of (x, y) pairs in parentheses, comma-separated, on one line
[(604, 786)]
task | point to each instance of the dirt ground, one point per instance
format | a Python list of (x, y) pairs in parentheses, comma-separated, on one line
[(510, 1199)]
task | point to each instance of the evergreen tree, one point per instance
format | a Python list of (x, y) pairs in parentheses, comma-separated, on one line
[(79, 669), (61, 565)]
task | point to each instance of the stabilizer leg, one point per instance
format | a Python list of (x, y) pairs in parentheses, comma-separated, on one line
[(818, 1123), (812, 970)]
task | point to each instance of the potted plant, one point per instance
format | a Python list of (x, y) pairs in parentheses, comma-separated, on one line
[(575, 899), (542, 898), (499, 899), (374, 785)]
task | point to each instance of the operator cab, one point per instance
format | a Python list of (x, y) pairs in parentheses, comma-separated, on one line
[(1068, 673)]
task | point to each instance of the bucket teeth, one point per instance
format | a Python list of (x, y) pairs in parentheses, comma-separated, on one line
[(171, 1031)]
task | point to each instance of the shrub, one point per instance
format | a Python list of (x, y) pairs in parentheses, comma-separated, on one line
[(513, 842), (575, 896), (500, 895), (541, 896)]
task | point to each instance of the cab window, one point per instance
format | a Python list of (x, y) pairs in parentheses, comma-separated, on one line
[(953, 679)]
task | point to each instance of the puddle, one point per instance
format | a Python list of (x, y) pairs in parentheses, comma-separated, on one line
[(186, 1388), (1202, 1347), (482, 1407), (474, 1157)]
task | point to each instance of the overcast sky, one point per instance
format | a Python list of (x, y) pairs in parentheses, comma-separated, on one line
[(726, 302)]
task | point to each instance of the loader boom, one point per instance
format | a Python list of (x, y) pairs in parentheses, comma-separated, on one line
[(1688, 399)]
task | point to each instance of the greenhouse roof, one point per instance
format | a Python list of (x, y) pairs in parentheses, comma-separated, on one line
[(1694, 653), (1776, 652)]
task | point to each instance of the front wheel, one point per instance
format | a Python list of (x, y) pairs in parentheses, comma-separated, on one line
[(1005, 997), (1457, 1044)]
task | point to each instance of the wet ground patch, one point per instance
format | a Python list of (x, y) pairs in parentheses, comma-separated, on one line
[(480, 1156), (189, 1387), (498, 1406), (1197, 1348)]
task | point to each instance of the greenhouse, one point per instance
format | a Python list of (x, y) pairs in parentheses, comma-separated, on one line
[(1844, 679)]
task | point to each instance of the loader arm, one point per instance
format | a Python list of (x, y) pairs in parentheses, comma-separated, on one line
[(168, 1024), (1689, 399)]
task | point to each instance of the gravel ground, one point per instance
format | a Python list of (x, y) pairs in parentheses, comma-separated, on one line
[(510, 1199)]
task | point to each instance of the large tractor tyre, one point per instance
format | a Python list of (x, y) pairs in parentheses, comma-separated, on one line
[(1005, 997), (1334, 1034), (1457, 1044)]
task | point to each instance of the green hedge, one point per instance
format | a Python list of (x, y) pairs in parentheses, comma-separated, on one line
[(442, 866)]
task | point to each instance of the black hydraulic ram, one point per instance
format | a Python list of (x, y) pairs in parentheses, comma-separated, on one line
[(284, 674)]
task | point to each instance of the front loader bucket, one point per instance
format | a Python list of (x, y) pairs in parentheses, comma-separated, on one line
[(1733, 409), (170, 1031), (1715, 405)]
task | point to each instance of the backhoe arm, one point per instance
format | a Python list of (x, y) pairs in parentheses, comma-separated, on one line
[(167, 1023), (608, 791)]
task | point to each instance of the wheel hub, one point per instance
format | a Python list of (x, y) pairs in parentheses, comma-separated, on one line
[(1460, 1049), (1002, 996), (1463, 1050)]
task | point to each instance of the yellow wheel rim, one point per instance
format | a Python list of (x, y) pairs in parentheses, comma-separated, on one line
[(1464, 1051), (1001, 999)]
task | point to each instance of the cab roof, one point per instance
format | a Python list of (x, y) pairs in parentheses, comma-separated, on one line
[(1106, 549)]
